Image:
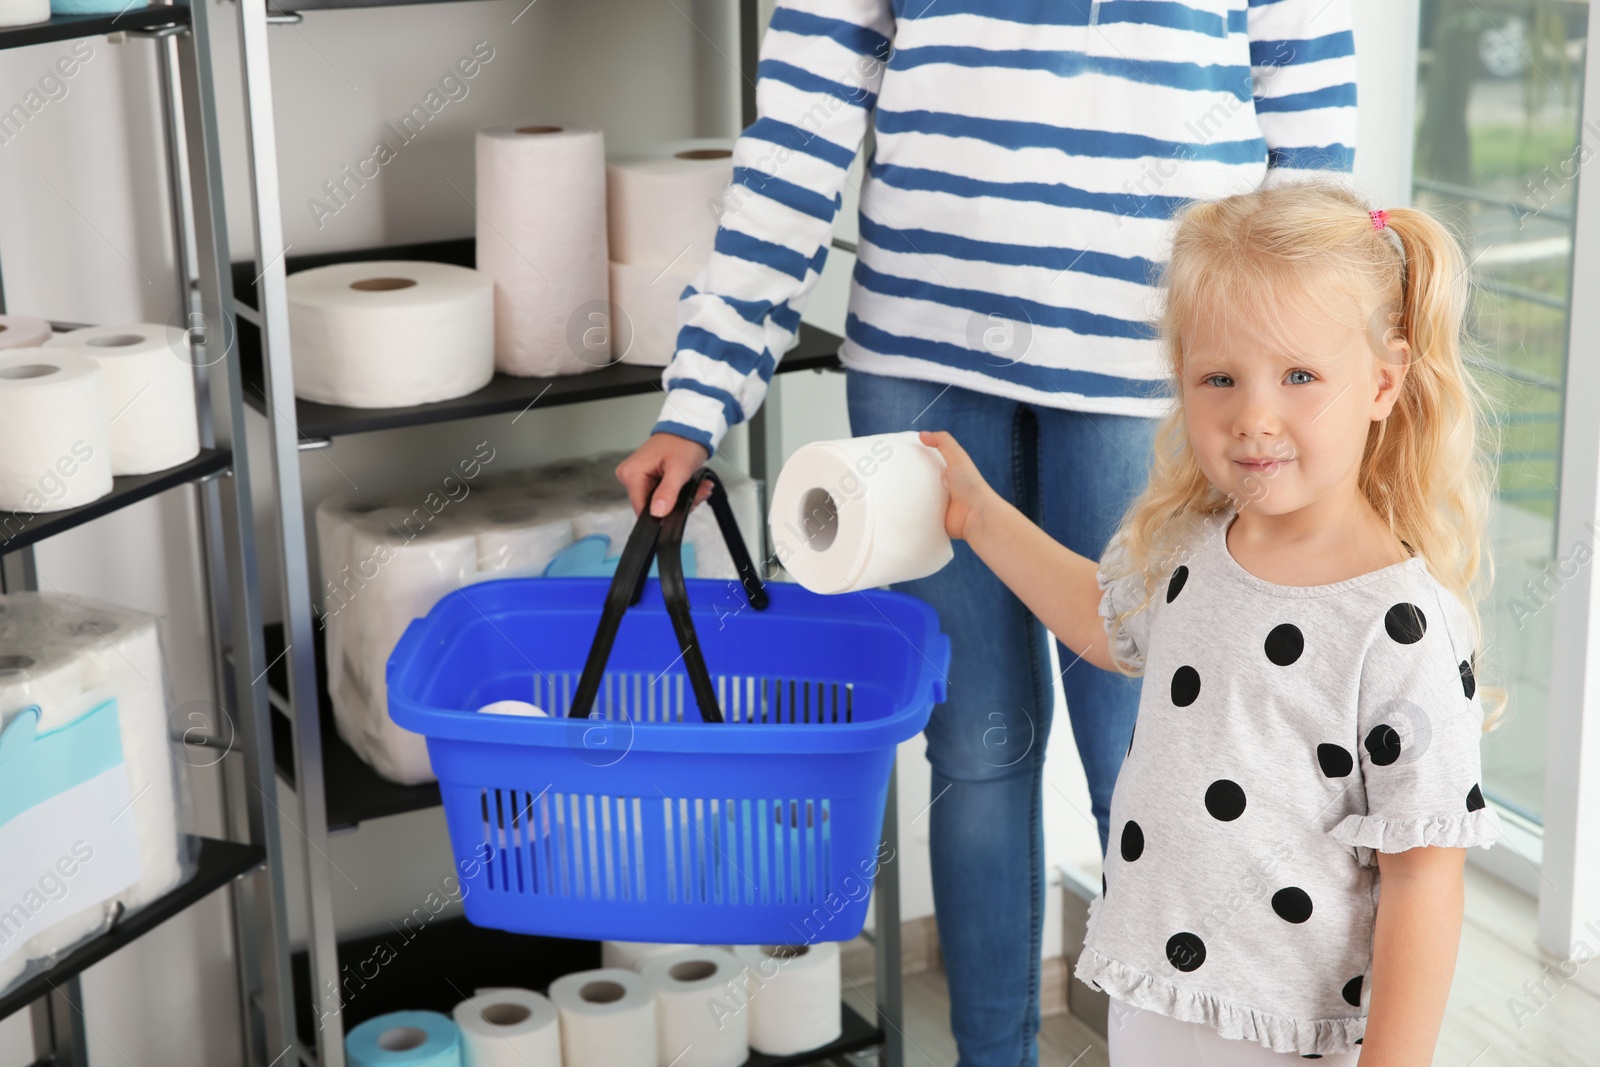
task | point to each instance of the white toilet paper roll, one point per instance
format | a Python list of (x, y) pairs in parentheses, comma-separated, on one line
[(22, 331), (55, 444), (20, 13), (608, 1018), (509, 1028), (861, 513), (390, 333), (794, 996), (630, 954), (700, 1021), (148, 383), (514, 707), (542, 235), (663, 201), (405, 567), (645, 309), (521, 538)]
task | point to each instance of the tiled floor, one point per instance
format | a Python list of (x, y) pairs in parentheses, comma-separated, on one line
[(1497, 956)]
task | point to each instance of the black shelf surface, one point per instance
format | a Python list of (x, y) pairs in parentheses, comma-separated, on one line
[(434, 965), (219, 863), (18, 529), (69, 27), (354, 791), (816, 350)]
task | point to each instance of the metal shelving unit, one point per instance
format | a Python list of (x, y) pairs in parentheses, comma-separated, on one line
[(248, 858), (335, 789)]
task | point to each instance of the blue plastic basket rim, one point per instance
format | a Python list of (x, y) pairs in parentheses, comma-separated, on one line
[(566, 594)]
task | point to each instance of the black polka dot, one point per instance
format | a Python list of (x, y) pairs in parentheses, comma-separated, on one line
[(1383, 745), (1175, 583), (1352, 994), (1132, 841), (1186, 951), (1474, 798), (1335, 760), (1185, 686), (1285, 643), (1292, 904), (1102, 883), (1225, 800), (1131, 731), (1311, 1056), (1469, 681), (1406, 623)]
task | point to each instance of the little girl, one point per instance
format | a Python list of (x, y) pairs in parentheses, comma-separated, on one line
[(1294, 585)]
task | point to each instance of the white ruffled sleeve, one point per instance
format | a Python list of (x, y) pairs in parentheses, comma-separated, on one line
[(1122, 588), (1419, 726)]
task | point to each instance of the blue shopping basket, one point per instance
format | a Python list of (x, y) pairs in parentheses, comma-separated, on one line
[(621, 816)]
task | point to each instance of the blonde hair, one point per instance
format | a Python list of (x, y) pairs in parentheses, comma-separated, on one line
[(1315, 245)]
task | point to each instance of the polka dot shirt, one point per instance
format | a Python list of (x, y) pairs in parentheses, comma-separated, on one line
[(1285, 734)]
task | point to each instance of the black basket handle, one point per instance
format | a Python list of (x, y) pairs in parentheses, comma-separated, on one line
[(627, 586)]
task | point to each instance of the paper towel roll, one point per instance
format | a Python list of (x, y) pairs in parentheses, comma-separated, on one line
[(55, 446), (663, 201), (645, 300), (608, 1018), (149, 393), (630, 954), (861, 513), (509, 1028), (390, 333), (22, 331), (700, 1021), (542, 236), (794, 996), (412, 1038)]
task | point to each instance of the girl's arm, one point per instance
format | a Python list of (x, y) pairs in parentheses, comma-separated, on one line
[(1057, 584), (1421, 901)]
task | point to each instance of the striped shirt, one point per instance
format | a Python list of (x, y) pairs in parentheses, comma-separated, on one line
[(1015, 212)]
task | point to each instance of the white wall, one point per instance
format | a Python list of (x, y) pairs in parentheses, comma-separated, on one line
[(82, 236)]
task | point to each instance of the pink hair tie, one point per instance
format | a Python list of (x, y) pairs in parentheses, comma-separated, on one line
[(1380, 219)]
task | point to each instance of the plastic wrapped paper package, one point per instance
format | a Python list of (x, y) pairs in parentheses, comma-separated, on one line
[(78, 660)]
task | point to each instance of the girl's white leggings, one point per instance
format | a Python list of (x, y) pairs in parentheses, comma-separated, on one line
[(1139, 1038)]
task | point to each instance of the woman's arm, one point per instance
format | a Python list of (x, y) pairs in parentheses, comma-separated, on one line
[(1421, 901), (1056, 583)]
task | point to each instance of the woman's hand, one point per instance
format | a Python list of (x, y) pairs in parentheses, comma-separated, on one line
[(970, 495)]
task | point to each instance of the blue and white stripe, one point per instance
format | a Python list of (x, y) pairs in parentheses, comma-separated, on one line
[(1028, 157)]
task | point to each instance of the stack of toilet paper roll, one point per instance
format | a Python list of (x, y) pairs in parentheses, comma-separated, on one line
[(663, 205), (861, 513), (67, 656), (386, 561), (390, 333), (541, 218)]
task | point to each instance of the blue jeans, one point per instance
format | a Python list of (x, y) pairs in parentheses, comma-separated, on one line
[(1074, 473)]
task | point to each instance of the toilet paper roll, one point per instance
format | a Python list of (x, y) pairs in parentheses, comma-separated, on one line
[(699, 1001), (794, 996), (22, 331), (94, 7), (149, 393), (861, 513), (509, 1028), (412, 1038), (541, 229), (645, 309), (390, 333), (630, 954), (608, 1018), (405, 565), (55, 445), (663, 201), (514, 707), (521, 538)]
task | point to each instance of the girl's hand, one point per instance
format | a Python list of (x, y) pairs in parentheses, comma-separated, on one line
[(970, 495)]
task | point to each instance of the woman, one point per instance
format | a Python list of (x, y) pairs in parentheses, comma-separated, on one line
[(1027, 156)]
